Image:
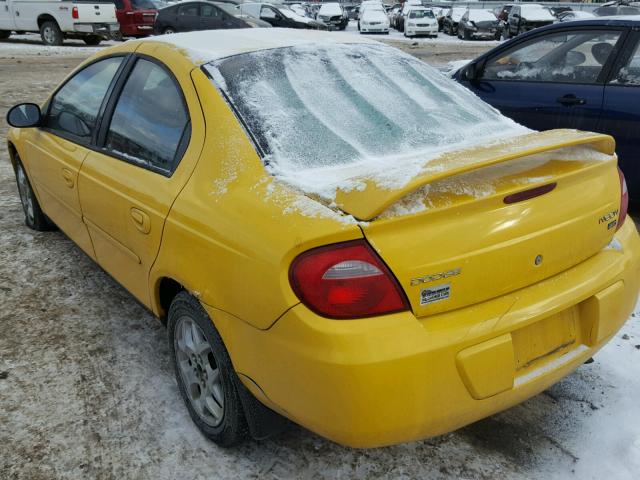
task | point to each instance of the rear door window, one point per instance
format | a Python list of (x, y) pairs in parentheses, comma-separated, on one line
[(190, 10), (74, 108), (629, 72), (150, 124)]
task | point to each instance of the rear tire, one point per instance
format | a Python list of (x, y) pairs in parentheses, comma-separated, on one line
[(204, 372), (168, 31), (51, 34), (92, 40), (4, 34), (34, 217)]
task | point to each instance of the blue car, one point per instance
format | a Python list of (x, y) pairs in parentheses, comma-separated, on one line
[(583, 74)]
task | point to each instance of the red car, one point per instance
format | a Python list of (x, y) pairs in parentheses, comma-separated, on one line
[(136, 17)]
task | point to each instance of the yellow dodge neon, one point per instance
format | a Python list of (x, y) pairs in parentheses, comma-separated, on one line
[(335, 233)]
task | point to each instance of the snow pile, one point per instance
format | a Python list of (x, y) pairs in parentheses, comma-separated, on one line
[(328, 116)]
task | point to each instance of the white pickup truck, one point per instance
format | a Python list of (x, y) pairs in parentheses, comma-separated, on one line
[(92, 21)]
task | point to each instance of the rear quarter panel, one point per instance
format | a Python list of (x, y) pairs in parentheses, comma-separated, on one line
[(233, 231)]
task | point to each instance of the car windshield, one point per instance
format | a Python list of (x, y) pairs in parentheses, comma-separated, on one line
[(318, 106), (330, 9), (143, 5), (481, 16), (421, 14), (291, 14)]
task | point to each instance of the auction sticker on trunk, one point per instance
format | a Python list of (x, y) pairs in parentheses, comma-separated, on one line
[(435, 294)]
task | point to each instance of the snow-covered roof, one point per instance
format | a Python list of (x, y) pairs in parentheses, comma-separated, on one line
[(208, 45)]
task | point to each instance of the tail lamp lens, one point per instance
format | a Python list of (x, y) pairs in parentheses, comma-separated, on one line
[(346, 280), (74, 13), (624, 199)]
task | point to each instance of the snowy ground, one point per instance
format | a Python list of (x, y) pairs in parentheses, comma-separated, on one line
[(87, 391)]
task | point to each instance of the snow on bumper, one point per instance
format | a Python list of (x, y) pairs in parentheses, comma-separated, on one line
[(397, 378), (422, 30), (96, 28), (374, 27)]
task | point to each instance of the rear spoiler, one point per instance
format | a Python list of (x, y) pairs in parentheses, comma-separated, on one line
[(371, 201)]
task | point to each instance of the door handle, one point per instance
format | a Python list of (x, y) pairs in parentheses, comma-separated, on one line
[(69, 177), (571, 100), (141, 220)]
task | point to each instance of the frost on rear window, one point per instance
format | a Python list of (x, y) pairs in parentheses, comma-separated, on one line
[(322, 113)]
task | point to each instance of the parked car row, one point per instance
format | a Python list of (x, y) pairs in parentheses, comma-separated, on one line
[(68, 19)]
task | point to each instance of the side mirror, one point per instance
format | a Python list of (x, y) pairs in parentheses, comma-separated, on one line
[(24, 115)]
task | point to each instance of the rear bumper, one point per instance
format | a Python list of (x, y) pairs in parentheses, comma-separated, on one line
[(395, 378), (374, 29), (103, 29), (134, 29)]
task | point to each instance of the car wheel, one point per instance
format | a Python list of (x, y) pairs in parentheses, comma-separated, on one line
[(50, 33), (34, 217), (169, 31), (92, 40), (4, 34), (459, 34), (204, 372)]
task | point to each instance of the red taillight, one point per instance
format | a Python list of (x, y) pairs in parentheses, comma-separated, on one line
[(74, 13), (346, 280), (624, 199)]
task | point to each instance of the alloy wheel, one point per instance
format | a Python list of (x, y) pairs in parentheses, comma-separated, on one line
[(199, 371)]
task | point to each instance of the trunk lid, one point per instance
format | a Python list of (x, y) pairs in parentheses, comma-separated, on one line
[(452, 240)]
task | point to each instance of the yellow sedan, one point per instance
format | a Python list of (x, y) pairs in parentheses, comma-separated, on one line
[(334, 233)]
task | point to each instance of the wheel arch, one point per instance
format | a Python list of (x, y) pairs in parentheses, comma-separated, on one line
[(13, 155), (164, 291), (45, 17)]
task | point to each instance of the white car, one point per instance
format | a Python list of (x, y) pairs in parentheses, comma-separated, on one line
[(373, 19), (420, 21), (366, 3)]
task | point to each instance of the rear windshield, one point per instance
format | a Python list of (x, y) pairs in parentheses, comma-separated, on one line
[(318, 106), (143, 5)]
